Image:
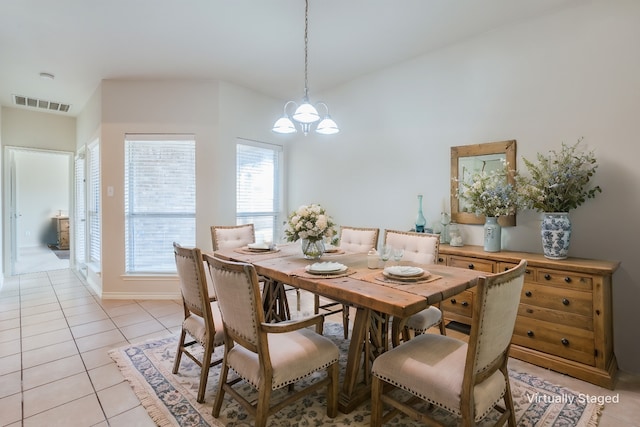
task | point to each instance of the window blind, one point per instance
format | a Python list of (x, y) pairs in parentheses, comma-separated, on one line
[(259, 187), (93, 212), (160, 200), (80, 211)]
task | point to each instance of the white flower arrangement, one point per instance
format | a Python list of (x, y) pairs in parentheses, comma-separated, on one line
[(309, 222), (489, 193)]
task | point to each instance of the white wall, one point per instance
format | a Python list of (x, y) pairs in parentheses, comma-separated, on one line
[(210, 110), (555, 79), (42, 189), (29, 129)]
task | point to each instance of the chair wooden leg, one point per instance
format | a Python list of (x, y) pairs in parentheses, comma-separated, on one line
[(376, 402), (406, 334), (332, 391), (443, 327), (176, 363), (508, 404), (204, 371), (345, 320), (217, 404), (262, 407), (316, 304)]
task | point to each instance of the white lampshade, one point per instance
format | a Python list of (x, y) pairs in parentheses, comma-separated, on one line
[(327, 126), (284, 125), (306, 113)]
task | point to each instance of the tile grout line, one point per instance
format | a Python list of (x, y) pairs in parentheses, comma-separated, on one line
[(75, 343)]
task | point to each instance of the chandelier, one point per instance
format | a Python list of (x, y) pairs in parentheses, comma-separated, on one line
[(305, 114)]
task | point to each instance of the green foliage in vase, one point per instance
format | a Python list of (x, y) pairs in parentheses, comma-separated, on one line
[(489, 193), (559, 181)]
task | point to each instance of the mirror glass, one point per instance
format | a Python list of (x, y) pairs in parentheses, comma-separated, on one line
[(469, 159)]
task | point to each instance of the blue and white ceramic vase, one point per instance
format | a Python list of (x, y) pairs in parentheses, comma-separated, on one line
[(492, 234), (556, 234), (312, 249)]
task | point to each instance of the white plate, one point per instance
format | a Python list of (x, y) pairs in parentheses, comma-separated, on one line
[(326, 268), (330, 248), (259, 246), (403, 271)]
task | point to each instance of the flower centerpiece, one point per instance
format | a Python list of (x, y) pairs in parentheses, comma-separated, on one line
[(310, 224), (490, 194), (558, 183)]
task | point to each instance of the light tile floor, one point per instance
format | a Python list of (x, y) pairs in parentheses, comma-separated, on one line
[(54, 368)]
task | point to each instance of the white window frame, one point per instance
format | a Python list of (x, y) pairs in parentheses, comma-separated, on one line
[(153, 254), (94, 220), (272, 230), (80, 207)]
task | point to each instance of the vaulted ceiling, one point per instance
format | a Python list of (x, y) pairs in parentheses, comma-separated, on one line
[(257, 44)]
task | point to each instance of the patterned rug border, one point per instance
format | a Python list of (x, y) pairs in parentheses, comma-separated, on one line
[(180, 408)]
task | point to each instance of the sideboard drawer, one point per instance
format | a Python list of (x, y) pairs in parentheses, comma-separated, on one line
[(563, 341), (461, 304), (564, 300), (555, 316), (565, 279), (472, 263)]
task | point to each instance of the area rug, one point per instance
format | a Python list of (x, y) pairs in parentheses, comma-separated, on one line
[(60, 253), (170, 399)]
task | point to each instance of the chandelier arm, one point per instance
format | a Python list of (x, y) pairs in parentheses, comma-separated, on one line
[(289, 103), (326, 107)]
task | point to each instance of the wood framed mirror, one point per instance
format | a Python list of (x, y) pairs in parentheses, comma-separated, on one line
[(469, 159)]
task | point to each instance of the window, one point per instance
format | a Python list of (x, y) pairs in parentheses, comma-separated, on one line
[(93, 208), (160, 200), (80, 222), (259, 187)]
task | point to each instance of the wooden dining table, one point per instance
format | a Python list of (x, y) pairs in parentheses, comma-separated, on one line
[(376, 300)]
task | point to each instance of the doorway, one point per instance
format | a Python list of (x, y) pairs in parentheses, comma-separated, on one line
[(39, 200)]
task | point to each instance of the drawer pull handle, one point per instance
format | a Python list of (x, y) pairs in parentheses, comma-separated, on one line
[(471, 266), (530, 333), (453, 301), (528, 293), (465, 303), (567, 279), (564, 341), (440, 259), (547, 277), (565, 301)]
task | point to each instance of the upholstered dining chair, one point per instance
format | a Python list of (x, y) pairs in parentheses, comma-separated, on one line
[(420, 248), (201, 315), (237, 236), (354, 240), (269, 356), (466, 379)]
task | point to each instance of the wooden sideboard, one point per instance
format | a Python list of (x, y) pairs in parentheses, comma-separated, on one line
[(62, 231), (565, 316)]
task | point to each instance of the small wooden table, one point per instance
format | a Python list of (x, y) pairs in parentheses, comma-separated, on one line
[(375, 302)]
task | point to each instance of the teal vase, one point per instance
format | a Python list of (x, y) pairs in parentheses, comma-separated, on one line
[(421, 221), (492, 234)]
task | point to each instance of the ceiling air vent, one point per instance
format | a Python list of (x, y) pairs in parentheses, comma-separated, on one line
[(41, 104)]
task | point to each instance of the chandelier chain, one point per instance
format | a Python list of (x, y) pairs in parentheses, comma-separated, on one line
[(306, 49), (305, 114)]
